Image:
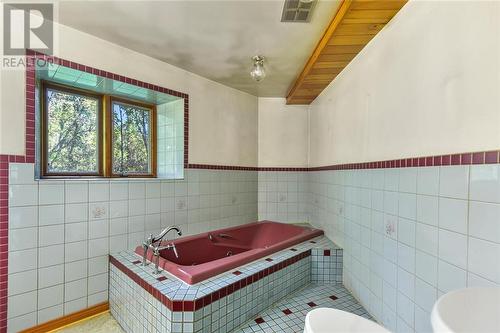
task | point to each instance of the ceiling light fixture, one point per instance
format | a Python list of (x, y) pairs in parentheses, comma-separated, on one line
[(258, 73)]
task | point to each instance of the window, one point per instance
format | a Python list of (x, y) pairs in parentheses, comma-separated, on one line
[(72, 133), (132, 139), (95, 135)]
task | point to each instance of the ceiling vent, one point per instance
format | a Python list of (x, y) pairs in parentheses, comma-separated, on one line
[(297, 10)]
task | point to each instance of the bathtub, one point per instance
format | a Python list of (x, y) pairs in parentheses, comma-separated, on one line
[(208, 254)]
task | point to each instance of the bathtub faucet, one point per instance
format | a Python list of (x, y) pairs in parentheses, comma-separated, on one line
[(156, 255), (151, 240)]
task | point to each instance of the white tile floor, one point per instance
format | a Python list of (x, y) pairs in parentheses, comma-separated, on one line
[(286, 316)]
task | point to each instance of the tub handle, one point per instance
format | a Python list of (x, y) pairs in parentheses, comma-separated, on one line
[(156, 255), (175, 250)]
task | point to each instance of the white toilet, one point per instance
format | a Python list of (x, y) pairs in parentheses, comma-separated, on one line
[(327, 320)]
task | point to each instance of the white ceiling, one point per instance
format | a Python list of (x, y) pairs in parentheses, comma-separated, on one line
[(215, 39)]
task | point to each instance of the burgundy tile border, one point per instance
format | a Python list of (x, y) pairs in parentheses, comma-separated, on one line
[(4, 240), (486, 157), (192, 305), (221, 167), (282, 169)]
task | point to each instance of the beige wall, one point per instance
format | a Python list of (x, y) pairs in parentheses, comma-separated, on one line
[(223, 121), (283, 134), (429, 83)]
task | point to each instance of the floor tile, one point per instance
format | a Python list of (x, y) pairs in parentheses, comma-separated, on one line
[(288, 315)]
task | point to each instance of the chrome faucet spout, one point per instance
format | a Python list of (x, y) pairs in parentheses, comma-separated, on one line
[(164, 232), (151, 240)]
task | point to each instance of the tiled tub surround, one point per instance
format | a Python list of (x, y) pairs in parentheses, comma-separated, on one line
[(326, 265), (61, 232), (411, 234), (218, 304)]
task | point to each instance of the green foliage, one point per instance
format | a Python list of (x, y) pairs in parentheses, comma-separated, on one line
[(72, 138), (131, 139)]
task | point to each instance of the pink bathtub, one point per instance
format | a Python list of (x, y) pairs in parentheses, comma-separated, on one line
[(201, 257)]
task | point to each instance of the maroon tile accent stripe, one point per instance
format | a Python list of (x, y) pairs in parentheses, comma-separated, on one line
[(259, 320), (4, 239), (243, 168), (192, 305), (221, 167), (283, 169), (326, 253), (287, 312), (312, 304), (485, 157), (333, 297)]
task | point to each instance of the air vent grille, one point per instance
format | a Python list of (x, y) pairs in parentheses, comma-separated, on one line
[(297, 11)]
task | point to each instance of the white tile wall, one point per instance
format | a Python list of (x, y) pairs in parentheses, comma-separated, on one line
[(409, 234), (62, 231), (446, 235), (170, 139), (283, 196)]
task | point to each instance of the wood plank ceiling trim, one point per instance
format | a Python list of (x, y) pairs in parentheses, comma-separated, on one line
[(355, 23)]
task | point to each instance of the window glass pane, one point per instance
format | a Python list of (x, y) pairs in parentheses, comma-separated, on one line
[(72, 132), (131, 139)]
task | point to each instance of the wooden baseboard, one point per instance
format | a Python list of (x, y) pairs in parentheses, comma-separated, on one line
[(69, 319)]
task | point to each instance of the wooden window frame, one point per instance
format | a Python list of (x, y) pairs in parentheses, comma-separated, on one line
[(109, 137), (45, 85), (105, 134)]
